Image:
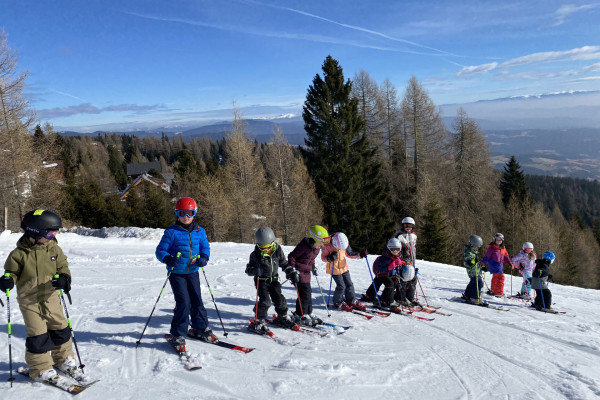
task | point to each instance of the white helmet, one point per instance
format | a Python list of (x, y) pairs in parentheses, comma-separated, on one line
[(527, 245), (340, 241), (394, 243), (408, 220), (408, 273)]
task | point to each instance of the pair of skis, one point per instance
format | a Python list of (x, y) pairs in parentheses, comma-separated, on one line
[(66, 382)]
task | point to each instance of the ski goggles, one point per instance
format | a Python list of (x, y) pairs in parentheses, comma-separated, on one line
[(186, 213), (395, 250), (528, 250), (265, 247), (51, 235)]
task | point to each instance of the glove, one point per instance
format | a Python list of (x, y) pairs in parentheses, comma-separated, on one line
[(202, 261), (393, 272), (62, 282), (170, 261), (332, 257), (363, 253), (6, 283), (484, 268), (416, 271), (294, 276), (472, 261), (315, 271)]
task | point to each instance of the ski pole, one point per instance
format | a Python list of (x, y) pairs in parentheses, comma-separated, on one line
[(256, 304), (215, 303), (299, 301), (64, 303), (373, 281), (153, 308), (425, 297), (330, 282), (11, 377), (542, 293), (511, 282), (323, 297)]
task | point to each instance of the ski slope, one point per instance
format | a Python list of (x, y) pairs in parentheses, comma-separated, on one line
[(476, 353)]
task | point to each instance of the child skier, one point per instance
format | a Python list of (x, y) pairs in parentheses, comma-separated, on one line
[(471, 262), (184, 248), (302, 261), (384, 268), (39, 268), (525, 262), (407, 288), (495, 258), (264, 263), (539, 281), (334, 254)]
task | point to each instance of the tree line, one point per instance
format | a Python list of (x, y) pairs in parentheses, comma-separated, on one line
[(371, 157)]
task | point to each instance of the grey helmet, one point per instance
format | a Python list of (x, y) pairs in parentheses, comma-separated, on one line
[(408, 220), (264, 235), (394, 243), (475, 241), (527, 245), (38, 223)]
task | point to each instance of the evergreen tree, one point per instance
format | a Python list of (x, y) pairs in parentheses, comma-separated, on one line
[(117, 167), (434, 241), (340, 161), (513, 183)]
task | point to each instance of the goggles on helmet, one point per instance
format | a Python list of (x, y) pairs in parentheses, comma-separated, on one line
[(527, 250), (51, 235), (395, 249), (185, 213)]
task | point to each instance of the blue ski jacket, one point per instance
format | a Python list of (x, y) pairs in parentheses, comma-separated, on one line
[(190, 244)]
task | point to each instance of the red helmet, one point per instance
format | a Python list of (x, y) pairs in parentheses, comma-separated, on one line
[(186, 203)]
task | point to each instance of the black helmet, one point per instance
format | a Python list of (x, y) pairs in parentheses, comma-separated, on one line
[(264, 235), (39, 222), (475, 241)]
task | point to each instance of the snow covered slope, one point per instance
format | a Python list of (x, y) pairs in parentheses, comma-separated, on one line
[(476, 353)]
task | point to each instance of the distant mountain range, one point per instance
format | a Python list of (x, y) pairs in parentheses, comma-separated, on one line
[(554, 134)]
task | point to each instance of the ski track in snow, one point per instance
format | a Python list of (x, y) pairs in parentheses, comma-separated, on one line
[(476, 353)]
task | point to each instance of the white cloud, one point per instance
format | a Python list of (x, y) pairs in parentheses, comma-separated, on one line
[(580, 53), (565, 11), (477, 69)]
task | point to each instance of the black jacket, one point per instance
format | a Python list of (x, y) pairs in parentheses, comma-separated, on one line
[(264, 265)]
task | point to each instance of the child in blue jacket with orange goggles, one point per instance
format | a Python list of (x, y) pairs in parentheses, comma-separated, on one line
[(184, 248)]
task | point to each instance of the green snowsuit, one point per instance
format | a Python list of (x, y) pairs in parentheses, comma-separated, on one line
[(32, 267)]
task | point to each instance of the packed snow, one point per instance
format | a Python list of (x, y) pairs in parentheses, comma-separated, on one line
[(475, 353)]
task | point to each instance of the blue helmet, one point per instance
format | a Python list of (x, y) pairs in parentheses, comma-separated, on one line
[(549, 256)]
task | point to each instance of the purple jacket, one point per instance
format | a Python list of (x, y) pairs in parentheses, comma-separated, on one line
[(524, 263), (495, 258), (303, 259)]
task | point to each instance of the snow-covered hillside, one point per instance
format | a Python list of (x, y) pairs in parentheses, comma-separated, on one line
[(475, 353)]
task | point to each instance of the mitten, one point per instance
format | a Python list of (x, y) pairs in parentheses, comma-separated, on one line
[(484, 268), (315, 271), (332, 257), (6, 282), (202, 261), (416, 271), (363, 253), (62, 282), (294, 276), (170, 261)]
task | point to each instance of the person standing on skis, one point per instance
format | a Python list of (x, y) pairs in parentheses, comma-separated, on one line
[(495, 258), (524, 261), (184, 248), (335, 254), (407, 289), (471, 262), (265, 261), (539, 281), (39, 268), (302, 261)]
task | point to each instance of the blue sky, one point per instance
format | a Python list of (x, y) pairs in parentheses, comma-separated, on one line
[(104, 64)]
